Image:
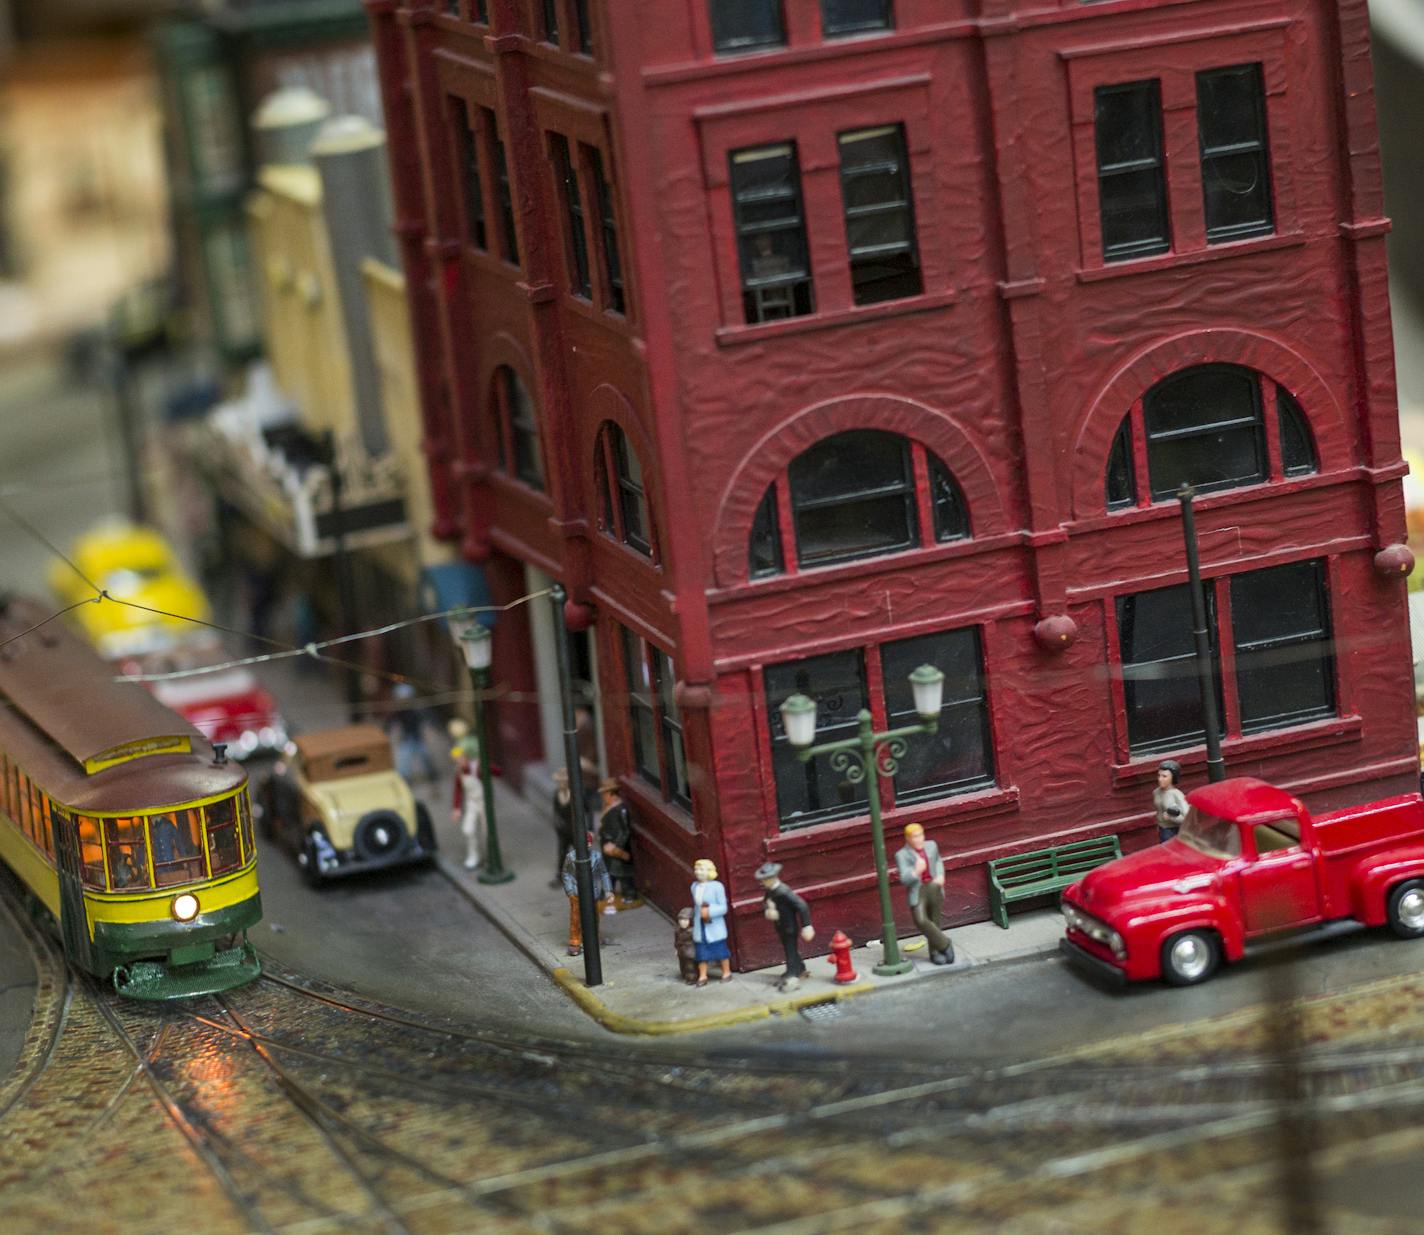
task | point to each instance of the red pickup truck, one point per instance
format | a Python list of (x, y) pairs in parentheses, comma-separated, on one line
[(1249, 861)]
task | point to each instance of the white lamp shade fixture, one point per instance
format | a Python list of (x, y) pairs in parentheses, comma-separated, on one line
[(927, 683), (477, 645), (798, 717)]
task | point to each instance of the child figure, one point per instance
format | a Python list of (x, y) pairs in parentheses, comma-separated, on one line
[(686, 948), (602, 892), (468, 809)]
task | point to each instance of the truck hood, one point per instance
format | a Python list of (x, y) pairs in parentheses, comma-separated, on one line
[(1173, 869)]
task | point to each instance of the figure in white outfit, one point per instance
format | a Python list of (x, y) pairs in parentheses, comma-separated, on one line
[(469, 804)]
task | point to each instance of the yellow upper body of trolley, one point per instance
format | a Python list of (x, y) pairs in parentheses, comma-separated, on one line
[(132, 865)]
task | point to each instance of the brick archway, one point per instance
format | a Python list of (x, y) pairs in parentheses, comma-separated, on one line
[(1285, 367), (771, 455)]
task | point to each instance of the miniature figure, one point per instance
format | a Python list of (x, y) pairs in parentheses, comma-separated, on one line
[(563, 822), (792, 918), (709, 928), (407, 729), (922, 872), (468, 809), (602, 892), (686, 947), (1168, 801), (615, 838)]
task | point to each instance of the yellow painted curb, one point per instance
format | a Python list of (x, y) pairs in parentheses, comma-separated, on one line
[(616, 1022)]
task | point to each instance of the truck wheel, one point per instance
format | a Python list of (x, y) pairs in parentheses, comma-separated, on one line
[(1189, 958), (1405, 910)]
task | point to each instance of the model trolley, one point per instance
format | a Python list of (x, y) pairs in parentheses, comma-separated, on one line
[(121, 820)]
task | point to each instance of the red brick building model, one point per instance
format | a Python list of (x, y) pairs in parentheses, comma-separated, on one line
[(807, 341)]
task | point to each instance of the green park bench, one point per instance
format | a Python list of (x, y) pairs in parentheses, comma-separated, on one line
[(1044, 870)]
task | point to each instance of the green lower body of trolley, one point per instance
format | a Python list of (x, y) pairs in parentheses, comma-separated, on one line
[(169, 960)]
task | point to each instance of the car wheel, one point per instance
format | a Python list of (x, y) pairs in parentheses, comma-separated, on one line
[(379, 835), (311, 867), (1190, 957), (424, 829), (1405, 910)]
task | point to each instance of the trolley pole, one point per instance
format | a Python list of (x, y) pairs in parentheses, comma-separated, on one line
[(583, 865), (1206, 679)]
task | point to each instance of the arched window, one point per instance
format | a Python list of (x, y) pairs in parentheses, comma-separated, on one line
[(858, 494), (623, 499), (517, 429), (1216, 426)]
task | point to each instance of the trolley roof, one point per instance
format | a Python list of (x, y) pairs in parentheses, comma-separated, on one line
[(65, 719)]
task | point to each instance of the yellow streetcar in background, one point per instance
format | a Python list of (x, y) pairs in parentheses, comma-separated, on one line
[(132, 563), (121, 820)]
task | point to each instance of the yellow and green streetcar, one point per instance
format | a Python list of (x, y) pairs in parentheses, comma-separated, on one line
[(121, 820)]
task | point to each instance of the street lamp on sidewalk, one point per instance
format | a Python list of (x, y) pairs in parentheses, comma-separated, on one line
[(478, 648), (867, 757)]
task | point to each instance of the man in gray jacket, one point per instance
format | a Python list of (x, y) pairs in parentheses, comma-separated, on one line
[(922, 872)]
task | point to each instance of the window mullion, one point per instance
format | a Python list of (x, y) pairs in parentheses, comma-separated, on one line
[(1138, 438), (924, 503), (1271, 418), (785, 520)]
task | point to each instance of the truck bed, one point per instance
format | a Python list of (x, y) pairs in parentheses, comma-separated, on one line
[(1348, 836)]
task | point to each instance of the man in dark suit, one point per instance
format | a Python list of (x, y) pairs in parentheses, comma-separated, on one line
[(792, 918), (615, 839)]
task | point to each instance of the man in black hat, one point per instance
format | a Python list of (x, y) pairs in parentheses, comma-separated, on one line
[(792, 918), (1168, 802)]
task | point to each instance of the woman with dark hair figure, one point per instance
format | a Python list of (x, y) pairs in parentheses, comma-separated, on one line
[(1168, 802)]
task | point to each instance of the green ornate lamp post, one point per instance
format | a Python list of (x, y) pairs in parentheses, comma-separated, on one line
[(867, 757), (478, 648)]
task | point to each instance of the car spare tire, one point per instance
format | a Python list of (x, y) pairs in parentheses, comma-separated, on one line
[(381, 834)]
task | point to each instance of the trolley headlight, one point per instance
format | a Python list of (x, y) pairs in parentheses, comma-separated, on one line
[(185, 907)]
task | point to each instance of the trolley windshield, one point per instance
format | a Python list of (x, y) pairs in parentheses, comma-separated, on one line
[(166, 848)]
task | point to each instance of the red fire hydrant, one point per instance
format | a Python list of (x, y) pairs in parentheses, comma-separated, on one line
[(840, 958)]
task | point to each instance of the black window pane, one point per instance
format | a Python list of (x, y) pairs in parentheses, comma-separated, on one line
[(509, 238), (1235, 162), (771, 233), (814, 791), (585, 28), (642, 721), (612, 261), (840, 17), (959, 756), (1132, 192), (951, 516), (1204, 428), (471, 186), (549, 17), (1121, 491), (1159, 669), (862, 461), (524, 431), (1284, 654), (632, 500), (764, 555), (853, 496), (1297, 449), (574, 233), (745, 25), (479, 10), (880, 221), (675, 784)]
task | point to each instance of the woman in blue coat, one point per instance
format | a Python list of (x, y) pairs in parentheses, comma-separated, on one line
[(709, 921)]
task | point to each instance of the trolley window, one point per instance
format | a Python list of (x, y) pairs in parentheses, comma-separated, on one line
[(91, 851), (22, 788), (7, 803), (128, 854), (44, 823), (177, 840), (244, 815), (223, 851)]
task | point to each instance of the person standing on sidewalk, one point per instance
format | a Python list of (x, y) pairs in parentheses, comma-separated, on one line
[(921, 870), (792, 918), (615, 841), (602, 892), (468, 808), (709, 920), (1169, 803)]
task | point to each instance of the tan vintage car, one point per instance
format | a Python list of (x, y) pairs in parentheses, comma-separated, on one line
[(338, 803)]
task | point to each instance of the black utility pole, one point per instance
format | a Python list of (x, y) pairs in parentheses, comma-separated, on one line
[(1206, 679), (345, 588), (583, 865)]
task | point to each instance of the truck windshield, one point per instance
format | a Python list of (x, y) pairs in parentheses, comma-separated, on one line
[(1211, 835)]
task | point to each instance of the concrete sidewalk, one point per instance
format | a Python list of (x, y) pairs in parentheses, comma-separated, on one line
[(641, 992)]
